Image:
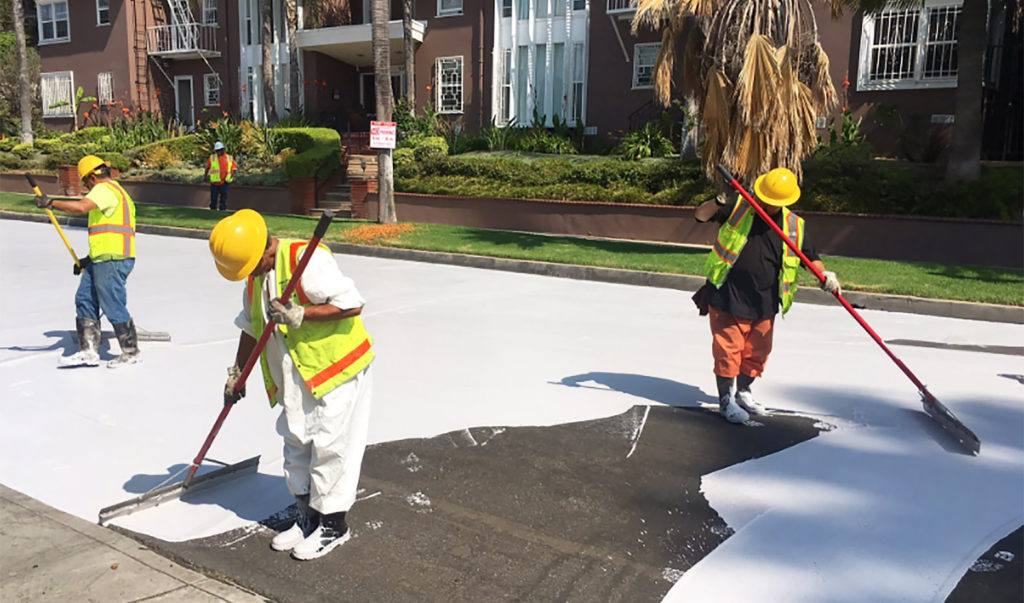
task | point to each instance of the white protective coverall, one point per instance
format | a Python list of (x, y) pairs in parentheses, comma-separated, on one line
[(324, 438)]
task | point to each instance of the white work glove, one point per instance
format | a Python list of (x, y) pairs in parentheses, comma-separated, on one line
[(288, 314), (230, 397), (831, 282)]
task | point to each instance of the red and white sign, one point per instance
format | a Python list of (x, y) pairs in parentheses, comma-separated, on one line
[(382, 134)]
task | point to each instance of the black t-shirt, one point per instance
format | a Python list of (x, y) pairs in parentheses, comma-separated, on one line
[(751, 289)]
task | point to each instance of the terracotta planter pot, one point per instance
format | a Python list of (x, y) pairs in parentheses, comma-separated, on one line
[(302, 195)]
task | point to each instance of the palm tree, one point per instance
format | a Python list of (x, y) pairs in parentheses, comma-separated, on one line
[(24, 81), (410, 56), (380, 11), (964, 161), (291, 17), (268, 63)]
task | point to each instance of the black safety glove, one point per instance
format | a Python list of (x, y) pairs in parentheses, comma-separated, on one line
[(230, 397), (82, 264), (43, 202)]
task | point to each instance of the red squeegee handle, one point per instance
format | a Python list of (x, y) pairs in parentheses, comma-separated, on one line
[(293, 282), (925, 394)]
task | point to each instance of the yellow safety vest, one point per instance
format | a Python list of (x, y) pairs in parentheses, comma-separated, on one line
[(215, 168), (732, 237), (112, 238), (326, 354)]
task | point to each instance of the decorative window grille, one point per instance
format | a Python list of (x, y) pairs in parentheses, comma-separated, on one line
[(449, 85), (910, 48), (448, 8), (55, 87), (210, 12), (578, 81), (105, 87), (644, 57), (53, 21), (211, 89), (102, 12)]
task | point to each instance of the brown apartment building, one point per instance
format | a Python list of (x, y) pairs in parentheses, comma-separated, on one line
[(504, 61)]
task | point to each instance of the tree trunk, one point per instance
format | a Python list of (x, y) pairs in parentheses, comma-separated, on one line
[(24, 82), (410, 56), (269, 111), (380, 13), (965, 146), (291, 16)]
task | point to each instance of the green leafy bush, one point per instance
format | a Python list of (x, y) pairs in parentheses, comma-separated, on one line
[(648, 141), (318, 151), (23, 151), (403, 159), (430, 148), (116, 160), (8, 143)]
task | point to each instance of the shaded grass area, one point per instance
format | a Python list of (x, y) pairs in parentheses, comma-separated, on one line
[(933, 281)]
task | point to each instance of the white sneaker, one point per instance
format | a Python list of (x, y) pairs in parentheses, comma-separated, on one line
[(732, 412), (80, 358), (323, 540), (747, 402), (286, 540)]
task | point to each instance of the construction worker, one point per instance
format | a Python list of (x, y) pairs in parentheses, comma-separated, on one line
[(105, 270), (751, 273), (316, 364), (220, 169)]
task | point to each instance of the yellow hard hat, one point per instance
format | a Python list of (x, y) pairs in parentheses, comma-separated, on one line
[(89, 164), (778, 187), (237, 243)]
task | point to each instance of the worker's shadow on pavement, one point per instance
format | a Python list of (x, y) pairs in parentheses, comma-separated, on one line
[(657, 389), (244, 494), (66, 342)]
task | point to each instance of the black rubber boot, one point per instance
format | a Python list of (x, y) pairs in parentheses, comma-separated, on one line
[(743, 382), (88, 354), (128, 338)]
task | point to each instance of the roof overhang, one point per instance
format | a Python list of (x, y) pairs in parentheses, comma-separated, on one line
[(353, 44)]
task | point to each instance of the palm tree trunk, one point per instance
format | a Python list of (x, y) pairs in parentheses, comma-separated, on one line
[(410, 56), (24, 82), (293, 57), (965, 145), (269, 111), (380, 13)]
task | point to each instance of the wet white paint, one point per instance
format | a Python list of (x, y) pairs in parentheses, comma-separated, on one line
[(461, 348)]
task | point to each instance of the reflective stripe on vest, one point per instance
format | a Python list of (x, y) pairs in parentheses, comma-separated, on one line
[(326, 354), (114, 235), (215, 168), (732, 238)]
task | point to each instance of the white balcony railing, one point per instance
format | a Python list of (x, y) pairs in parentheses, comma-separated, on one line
[(621, 7), (184, 41)]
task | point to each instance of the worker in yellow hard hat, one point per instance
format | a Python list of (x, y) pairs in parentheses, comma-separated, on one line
[(316, 363), (105, 270), (751, 274)]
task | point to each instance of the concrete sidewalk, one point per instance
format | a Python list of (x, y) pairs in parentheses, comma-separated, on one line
[(49, 555)]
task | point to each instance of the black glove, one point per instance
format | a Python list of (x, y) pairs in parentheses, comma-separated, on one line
[(43, 202), (82, 264), (230, 397)]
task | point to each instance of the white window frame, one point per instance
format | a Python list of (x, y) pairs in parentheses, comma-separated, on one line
[(443, 86), (638, 50), (578, 87), (918, 80), (211, 86), (39, 18), (209, 6), (65, 111), (99, 11), (449, 12), (105, 87)]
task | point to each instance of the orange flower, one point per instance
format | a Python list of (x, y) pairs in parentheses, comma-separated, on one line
[(220, 105), (87, 115), (225, 113), (428, 88), (95, 106), (316, 82), (303, 82), (199, 122), (154, 96), (214, 125)]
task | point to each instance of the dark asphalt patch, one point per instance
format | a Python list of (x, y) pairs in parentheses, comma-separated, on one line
[(998, 575), (1007, 350)]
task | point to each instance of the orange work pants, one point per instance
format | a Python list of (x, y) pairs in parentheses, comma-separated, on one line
[(740, 345)]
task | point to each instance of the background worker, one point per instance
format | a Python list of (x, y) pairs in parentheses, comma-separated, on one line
[(751, 274), (105, 270), (220, 169), (316, 364)]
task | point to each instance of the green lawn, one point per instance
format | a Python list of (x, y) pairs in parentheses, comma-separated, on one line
[(936, 281)]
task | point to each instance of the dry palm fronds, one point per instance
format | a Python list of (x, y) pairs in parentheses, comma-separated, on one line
[(651, 13), (757, 86), (690, 62), (717, 115), (824, 92), (663, 68)]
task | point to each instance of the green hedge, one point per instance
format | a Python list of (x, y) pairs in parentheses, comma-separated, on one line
[(317, 151), (185, 148)]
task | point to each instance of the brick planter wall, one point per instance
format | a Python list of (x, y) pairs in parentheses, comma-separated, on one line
[(302, 195), (68, 182)]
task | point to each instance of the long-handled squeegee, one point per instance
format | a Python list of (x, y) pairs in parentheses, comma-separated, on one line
[(932, 407), (162, 494)]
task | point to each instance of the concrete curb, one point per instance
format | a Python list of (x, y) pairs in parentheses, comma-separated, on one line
[(860, 300)]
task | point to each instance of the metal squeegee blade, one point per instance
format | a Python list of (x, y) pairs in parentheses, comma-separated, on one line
[(944, 417)]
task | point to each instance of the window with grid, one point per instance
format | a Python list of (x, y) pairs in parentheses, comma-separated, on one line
[(578, 81), (211, 87), (448, 8), (506, 8), (579, 4), (105, 87), (53, 21), (102, 12), (505, 92), (644, 57), (210, 12), (449, 85), (910, 48), (55, 89)]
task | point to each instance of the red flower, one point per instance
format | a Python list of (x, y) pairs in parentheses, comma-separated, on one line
[(225, 113), (87, 115), (220, 105)]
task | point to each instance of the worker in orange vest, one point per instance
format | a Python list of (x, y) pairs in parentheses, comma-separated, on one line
[(220, 168)]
